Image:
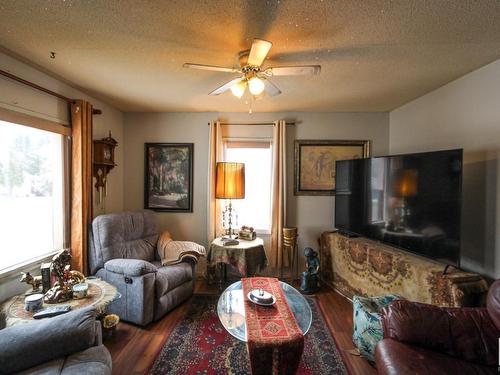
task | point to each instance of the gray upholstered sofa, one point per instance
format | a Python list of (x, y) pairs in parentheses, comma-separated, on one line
[(62, 345), (123, 252)]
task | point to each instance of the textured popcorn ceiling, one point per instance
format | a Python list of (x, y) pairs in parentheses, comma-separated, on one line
[(376, 55)]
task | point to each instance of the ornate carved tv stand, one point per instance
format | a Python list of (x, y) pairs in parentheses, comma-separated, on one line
[(364, 267)]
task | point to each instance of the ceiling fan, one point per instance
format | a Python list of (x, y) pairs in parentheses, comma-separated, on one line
[(252, 74)]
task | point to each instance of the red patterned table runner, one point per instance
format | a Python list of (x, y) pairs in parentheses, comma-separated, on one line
[(274, 339)]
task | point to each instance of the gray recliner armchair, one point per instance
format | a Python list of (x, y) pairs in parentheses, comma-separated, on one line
[(123, 252), (66, 344)]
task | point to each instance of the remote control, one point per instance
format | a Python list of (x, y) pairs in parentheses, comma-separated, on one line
[(51, 311)]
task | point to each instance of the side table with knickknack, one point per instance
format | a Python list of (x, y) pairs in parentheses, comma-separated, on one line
[(100, 294), (248, 257)]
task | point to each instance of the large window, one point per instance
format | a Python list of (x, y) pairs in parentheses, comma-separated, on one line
[(255, 209), (31, 194)]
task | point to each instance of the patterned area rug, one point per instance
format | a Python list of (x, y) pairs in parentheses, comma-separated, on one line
[(199, 344)]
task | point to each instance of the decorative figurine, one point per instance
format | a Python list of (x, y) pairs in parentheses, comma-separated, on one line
[(34, 281), (59, 263), (76, 277), (310, 277), (62, 290), (247, 233)]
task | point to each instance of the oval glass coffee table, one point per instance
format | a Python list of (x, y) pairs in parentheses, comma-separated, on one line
[(231, 309)]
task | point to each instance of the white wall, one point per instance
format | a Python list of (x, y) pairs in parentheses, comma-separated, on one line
[(311, 214), (463, 114), (18, 97), (142, 128)]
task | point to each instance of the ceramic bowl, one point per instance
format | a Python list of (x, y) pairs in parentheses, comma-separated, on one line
[(33, 302), (80, 290)]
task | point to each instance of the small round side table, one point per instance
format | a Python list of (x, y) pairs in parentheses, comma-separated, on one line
[(248, 257), (100, 294)]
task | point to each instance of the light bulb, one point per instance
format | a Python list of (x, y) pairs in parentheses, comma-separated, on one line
[(256, 86), (238, 89)]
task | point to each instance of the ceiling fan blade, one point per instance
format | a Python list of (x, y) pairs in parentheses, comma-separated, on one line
[(294, 70), (270, 88), (258, 52), (226, 86), (211, 67)]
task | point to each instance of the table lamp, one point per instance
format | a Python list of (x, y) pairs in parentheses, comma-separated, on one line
[(405, 186), (229, 184)]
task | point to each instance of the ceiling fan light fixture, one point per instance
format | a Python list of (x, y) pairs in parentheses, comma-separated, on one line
[(253, 75), (238, 89), (255, 86)]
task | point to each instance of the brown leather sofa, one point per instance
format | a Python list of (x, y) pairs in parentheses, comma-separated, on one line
[(426, 339)]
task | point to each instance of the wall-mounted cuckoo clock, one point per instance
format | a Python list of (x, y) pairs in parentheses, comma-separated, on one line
[(104, 161)]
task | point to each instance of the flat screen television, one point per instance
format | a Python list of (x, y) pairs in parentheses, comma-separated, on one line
[(410, 201)]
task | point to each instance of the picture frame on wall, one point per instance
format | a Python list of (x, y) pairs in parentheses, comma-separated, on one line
[(315, 163), (168, 177)]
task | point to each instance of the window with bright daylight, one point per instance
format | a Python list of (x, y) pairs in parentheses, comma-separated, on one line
[(255, 209), (31, 194)]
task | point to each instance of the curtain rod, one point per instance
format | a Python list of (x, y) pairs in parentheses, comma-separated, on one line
[(43, 89), (252, 123)]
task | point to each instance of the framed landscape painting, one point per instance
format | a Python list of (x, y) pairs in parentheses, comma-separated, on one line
[(168, 177), (315, 163)]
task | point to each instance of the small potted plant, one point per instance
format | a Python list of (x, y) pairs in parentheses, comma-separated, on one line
[(109, 323)]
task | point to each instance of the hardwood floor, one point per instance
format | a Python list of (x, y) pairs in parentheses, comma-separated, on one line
[(134, 348)]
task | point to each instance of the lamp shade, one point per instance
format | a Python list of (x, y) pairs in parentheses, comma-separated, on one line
[(230, 180), (406, 183)]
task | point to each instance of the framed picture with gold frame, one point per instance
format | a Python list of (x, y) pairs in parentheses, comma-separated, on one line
[(315, 163)]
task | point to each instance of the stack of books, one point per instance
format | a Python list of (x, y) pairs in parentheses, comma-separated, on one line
[(227, 241)]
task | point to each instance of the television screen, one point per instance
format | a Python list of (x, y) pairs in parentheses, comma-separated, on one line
[(409, 201)]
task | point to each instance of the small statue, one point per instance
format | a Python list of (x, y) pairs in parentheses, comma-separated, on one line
[(310, 277), (62, 289), (34, 281), (59, 263)]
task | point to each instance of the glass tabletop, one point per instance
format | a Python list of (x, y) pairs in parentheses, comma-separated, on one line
[(231, 309)]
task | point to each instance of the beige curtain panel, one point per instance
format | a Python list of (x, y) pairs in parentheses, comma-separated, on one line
[(278, 195), (215, 155), (81, 182)]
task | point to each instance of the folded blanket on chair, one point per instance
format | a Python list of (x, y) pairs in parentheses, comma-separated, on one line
[(173, 252)]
